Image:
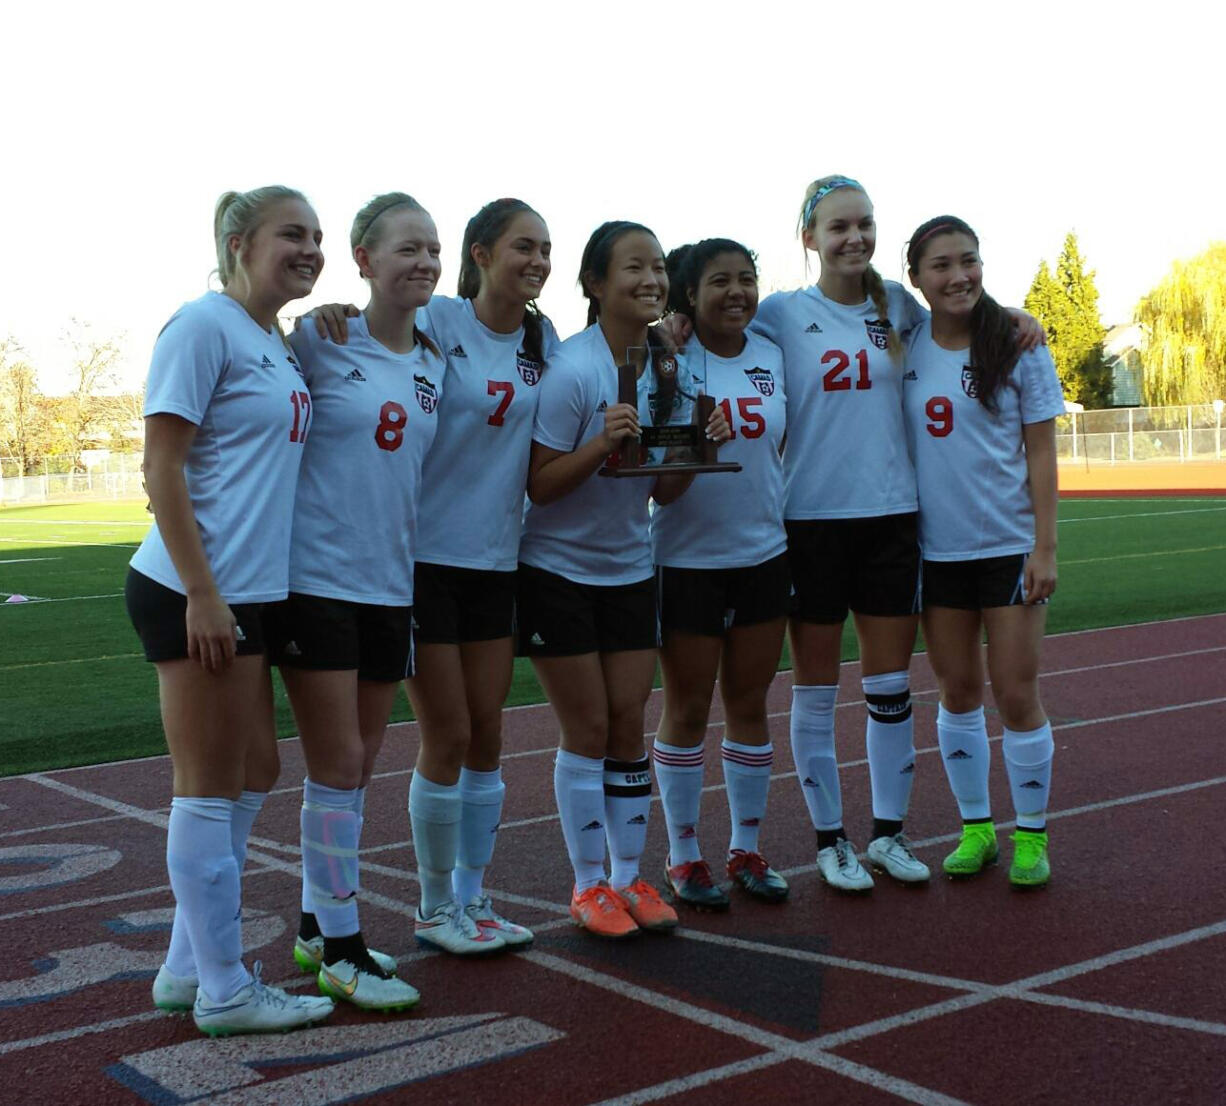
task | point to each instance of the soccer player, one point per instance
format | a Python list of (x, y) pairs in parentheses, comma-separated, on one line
[(343, 640), (721, 570), (587, 614), (227, 414), (980, 413)]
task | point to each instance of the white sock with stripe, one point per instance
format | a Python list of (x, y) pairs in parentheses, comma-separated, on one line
[(481, 798), (204, 877), (890, 741), (627, 803), (747, 777), (967, 757), (817, 767), (578, 786), (1028, 756), (679, 774), (435, 810)]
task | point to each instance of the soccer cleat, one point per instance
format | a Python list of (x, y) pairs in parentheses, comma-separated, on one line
[(838, 865), (258, 1008), (309, 956), (174, 992), (514, 936), (755, 877), (976, 850), (1030, 867), (451, 929), (602, 911), (894, 855), (366, 986), (644, 905), (692, 884)]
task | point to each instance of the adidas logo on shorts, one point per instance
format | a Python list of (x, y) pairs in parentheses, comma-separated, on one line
[(536, 639), (813, 328), (355, 375), (292, 650), (238, 634), (456, 351)]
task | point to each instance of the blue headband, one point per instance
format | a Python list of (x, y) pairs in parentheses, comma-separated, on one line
[(824, 191)]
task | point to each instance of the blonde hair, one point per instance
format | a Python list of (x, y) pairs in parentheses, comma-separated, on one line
[(240, 213), (360, 234), (874, 286)]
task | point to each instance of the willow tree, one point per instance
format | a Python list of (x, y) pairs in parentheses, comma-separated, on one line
[(1185, 316)]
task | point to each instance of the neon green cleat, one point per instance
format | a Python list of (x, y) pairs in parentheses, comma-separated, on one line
[(1029, 867), (975, 851)]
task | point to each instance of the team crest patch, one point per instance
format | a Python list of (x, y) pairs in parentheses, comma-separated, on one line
[(529, 370), (878, 332), (666, 366), (427, 394), (969, 384), (762, 380)]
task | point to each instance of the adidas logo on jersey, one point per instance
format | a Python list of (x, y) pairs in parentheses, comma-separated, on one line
[(355, 375), (292, 650), (536, 639), (813, 328), (456, 351), (910, 375), (265, 363), (603, 405)]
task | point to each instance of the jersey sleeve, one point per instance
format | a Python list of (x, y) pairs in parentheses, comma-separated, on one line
[(549, 338), (562, 407), (768, 318), (439, 318), (305, 342), (911, 314), (1041, 395), (189, 358)]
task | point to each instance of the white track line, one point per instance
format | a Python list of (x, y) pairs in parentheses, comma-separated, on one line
[(696, 1081)]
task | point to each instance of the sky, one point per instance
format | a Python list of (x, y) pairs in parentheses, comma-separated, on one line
[(124, 122)]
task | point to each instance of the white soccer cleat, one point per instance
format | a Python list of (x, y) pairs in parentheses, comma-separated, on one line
[(172, 992), (366, 986), (838, 866), (894, 855), (258, 1008), (309, 956), (451, 929), (514, 936)]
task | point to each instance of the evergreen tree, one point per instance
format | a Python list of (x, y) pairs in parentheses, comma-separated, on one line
[(1185, 315), (1067, 306)]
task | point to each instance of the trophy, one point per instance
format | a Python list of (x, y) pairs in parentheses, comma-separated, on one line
[(666, 446)]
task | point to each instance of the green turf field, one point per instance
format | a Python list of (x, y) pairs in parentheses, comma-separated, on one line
[(74, 689)]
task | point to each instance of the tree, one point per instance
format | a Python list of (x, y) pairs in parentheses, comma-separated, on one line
[(23, 417), (1067, 306), (1185, 316), (93, 371)]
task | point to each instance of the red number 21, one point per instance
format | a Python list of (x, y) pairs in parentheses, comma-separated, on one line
[(492, 388), (835, 381)]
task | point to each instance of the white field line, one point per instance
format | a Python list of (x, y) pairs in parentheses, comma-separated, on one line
[(26, 560), (34, 600), (49, 541), (1141, 556), (1146, 514)]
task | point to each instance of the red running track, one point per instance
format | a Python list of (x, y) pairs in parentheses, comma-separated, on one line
[(1104, 988)]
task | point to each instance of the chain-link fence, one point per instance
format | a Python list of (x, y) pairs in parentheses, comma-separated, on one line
[(1190, 433), (113, 476)]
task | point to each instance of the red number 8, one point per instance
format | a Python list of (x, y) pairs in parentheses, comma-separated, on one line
[(389, 434)]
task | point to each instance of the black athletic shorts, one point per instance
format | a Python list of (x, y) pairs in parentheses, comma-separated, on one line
[(558, 618), (711, 601), (867, 565), (311, 632), (454, 605), (976, 585), (159, 615)]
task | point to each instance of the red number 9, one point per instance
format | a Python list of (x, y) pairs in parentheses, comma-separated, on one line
[(389, 434), (941, 411)]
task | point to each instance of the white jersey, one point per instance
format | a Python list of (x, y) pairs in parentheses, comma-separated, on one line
[(731, 521), (355, 517), (216, 367), (473, 481), (846, 453), (974, 492), (598, 534)]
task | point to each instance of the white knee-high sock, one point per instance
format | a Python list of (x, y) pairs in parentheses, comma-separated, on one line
[(747, 776), (481, 798), (890, 741), (627, 801), (679, 774), (330, 857), (1028, 756), (435, 810), (965, 752), (205, 879), (817, 767), (578, 785)]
